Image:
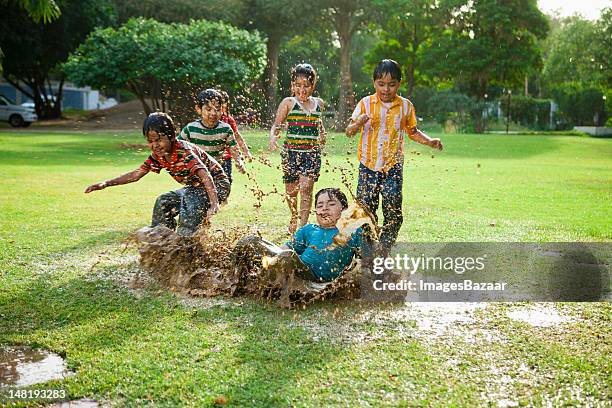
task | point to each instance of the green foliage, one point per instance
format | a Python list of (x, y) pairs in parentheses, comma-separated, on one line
[(580, 106), (527, 111), (168, 62), (603, 49), (456, 111), (179, 11), (45, 10), (33, 51), (404, 35), (572, 54), (487, 41)]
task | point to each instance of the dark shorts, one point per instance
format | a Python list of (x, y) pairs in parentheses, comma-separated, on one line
[(227, 168), (296, 164)]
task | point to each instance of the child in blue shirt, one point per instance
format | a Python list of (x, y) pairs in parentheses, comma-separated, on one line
[(311, 253)]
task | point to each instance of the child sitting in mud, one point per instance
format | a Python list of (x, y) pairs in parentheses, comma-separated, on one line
[(312, 253), (206, 182)]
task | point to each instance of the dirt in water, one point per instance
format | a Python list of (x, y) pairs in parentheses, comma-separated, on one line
[(22, 366), (216, 262)]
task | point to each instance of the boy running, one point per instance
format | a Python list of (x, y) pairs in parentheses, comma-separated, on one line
[(383, 118)]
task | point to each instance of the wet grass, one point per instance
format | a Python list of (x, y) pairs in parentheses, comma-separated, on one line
[(153, 349)]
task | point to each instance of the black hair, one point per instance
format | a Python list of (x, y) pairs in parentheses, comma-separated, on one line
[(207, 96), (161, 123), (304, 70), (335, 193), (387, 66)]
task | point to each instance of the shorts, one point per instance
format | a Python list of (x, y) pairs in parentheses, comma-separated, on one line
[(227, 168), (296, 164)]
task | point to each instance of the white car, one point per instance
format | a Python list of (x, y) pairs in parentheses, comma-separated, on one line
[(17, 116)]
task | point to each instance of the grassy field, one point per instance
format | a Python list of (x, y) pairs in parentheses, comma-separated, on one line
[(64, 273)]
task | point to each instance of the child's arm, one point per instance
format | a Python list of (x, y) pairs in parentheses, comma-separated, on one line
[(237, 159), (356, 124), (209, 186), (420, 137), (244, 148), (322, 131), (126, 178), (281, 116)]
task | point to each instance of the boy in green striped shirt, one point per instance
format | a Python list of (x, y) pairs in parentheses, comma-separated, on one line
[(210, 133)]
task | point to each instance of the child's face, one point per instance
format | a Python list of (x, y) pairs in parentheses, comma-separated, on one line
[(210, 113), (328, 210), (302, 88), (159, 144), (386, 87)]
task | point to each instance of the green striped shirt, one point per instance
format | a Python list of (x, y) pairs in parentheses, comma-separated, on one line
[(303, 128), (213, 141)]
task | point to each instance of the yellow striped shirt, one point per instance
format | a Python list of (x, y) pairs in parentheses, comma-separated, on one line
[(381, 143)]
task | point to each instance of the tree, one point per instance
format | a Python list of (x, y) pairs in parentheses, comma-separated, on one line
[(45, 10), (34, 51), (572, 53), (347, 16), (167, 63), (603, 46), (487, 42), (179, 11), (405, 33)]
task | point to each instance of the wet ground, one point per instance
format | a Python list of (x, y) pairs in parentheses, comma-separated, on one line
[(22, 366)]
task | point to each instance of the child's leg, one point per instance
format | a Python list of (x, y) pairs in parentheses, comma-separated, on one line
[(368, 191), (292, 185), (291, 191), (227, 168), (309, 167), (306, 185), (194, 205), (166, 208), (392, 207)]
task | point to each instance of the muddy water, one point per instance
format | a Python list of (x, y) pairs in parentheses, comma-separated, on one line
[(22, 366), (209, 264)]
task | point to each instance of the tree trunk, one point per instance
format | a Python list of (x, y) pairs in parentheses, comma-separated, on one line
[(273, 49), (346, 102)]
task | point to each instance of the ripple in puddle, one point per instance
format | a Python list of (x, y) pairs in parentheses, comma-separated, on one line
[(22, 366)]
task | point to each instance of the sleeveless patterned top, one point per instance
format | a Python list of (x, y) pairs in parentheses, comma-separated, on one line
[(303, 128)]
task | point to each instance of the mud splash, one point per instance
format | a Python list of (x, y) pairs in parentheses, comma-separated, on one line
[(231, 263)]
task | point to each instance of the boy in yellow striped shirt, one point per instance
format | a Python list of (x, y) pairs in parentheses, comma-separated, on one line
[(383, 119)]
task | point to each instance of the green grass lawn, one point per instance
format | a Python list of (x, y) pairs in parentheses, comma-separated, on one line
[(62, 262)]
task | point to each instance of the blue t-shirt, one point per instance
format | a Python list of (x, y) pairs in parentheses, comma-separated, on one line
[(326, 264)]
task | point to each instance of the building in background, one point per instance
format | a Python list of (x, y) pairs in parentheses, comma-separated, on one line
[(72, 96)]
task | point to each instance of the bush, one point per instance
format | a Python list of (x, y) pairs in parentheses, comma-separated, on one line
[(456, 112), (168, 63), (580, 106), (527, 111)]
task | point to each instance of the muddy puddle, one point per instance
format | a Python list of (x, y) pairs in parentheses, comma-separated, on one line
[(22, 366), (239, 262)]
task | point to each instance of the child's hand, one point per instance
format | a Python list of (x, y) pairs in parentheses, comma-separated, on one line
[(323, 138), (240, 166), (273, 143), (248, 156), (97, 186), (436, 144), (212, 210), (362, 119)]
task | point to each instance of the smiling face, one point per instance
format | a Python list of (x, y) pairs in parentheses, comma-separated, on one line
[(386, 87), (302, 87), (158, 143), (210, 113), (328, 210)]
